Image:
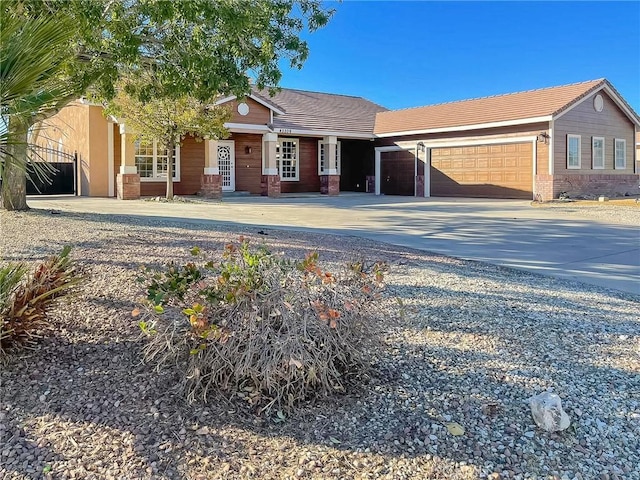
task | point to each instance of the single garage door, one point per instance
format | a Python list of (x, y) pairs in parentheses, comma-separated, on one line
[(487, 171), (397, 172)]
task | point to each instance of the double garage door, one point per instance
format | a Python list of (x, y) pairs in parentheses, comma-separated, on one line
[(486, 171)]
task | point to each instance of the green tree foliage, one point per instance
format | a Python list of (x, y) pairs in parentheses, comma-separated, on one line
[(198, 48), (34, 55), (166, 119)]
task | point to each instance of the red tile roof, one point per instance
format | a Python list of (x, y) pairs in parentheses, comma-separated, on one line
[(499, 108)]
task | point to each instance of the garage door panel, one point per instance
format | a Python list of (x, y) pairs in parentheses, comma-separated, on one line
[(499, 171), (510, 148), (511, 162), (468, 163)]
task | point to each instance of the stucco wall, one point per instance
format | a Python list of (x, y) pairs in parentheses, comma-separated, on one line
[(70, 128), (82, 129), (98, 152)]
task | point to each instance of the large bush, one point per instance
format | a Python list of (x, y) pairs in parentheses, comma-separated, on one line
[(25, 298), (267, 329)]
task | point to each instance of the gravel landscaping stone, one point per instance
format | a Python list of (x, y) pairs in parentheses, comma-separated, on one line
[(608, 213), (463, 342)]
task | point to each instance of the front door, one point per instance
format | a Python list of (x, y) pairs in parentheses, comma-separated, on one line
[(227, 165)]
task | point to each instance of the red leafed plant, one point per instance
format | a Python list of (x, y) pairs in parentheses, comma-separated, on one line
[(25, 298)]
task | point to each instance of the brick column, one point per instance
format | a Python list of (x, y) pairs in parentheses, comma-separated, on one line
[(128, 180), (543, 188), (334, 185), (270, 174), (331, 165), (211, 181)]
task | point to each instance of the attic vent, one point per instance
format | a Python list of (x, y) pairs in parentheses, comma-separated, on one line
[(598, 103), (243, 108)]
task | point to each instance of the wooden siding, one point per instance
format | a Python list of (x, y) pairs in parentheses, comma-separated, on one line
[(248, 165), (191, 170), (258, 113), (494, 171), (308, 164), (585, 121)]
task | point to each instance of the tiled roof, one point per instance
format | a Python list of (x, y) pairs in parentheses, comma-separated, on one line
[(323, 111), (498, 108)]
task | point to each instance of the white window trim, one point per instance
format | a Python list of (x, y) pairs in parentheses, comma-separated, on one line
[(593, 153), (321, 171), (615, 154), (279, 143), (579, 166), (156, 178)]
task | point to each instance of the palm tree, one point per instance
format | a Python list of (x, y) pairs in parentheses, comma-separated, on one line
[(34, 53)]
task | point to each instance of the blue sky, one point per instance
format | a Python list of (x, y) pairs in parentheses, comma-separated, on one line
[(403, 54)]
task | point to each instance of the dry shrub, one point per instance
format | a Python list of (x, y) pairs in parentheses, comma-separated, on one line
[(263, 328), (25, 299)]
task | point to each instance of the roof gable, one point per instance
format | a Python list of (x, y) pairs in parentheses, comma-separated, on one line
[(514, 108), (256, 97), (315, 112)]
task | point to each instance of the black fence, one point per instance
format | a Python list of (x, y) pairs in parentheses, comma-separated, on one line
[(52, 172)]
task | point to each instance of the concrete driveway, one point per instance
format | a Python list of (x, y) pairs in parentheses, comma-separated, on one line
[(503, 232)]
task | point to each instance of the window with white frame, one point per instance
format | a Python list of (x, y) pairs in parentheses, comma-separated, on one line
[(151, 161), (322, 164), (287, 155), (620, 153), (573, 151), (597, 153)]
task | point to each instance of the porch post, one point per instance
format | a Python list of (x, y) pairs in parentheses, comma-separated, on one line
[(128, 180), (377, 171), (211, 181), (419, 184), (427, 172), (270, 174), (331, 165)]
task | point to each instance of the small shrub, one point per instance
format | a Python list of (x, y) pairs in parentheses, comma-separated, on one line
[(260, 327), (25, 299)]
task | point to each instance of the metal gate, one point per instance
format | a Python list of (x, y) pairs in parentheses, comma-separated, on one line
[(57, 172)]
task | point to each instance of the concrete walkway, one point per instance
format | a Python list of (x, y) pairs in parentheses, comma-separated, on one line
[(503, 232)]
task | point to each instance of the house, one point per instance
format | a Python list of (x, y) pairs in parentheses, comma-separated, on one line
[(295, 141), (578, 139)]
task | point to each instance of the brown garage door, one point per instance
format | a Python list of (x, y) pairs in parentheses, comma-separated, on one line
[(397, 173), (489, 171)]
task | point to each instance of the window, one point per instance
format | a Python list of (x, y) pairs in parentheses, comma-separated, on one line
[(321, 162), (287, 159), (620, 154), (573, 151), (151, 162), (597, 152)]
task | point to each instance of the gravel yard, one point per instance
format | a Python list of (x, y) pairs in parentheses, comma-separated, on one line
[(623, 212), (464, 342)]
